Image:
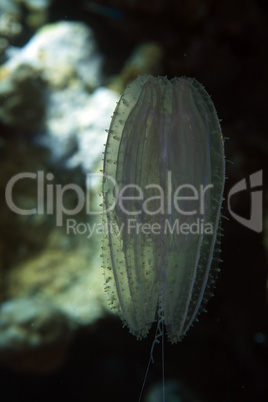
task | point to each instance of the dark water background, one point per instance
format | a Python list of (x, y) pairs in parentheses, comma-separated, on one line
[(224, 357)]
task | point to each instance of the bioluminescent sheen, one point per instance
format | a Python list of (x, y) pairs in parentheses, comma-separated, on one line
[(163, 182)]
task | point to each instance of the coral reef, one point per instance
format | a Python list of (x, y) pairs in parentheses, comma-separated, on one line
[(10, 26), (15, 15), (66, 276), (62, 52)]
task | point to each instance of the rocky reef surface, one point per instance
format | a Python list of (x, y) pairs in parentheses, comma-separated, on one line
[(54, 111)]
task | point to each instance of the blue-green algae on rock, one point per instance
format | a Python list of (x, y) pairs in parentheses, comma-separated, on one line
[(163, 183)]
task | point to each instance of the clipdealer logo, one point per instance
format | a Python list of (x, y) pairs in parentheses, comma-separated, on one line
[(50, 198), (255, 221)]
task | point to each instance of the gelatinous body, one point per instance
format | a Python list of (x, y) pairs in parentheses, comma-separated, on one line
[(162, 188)]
